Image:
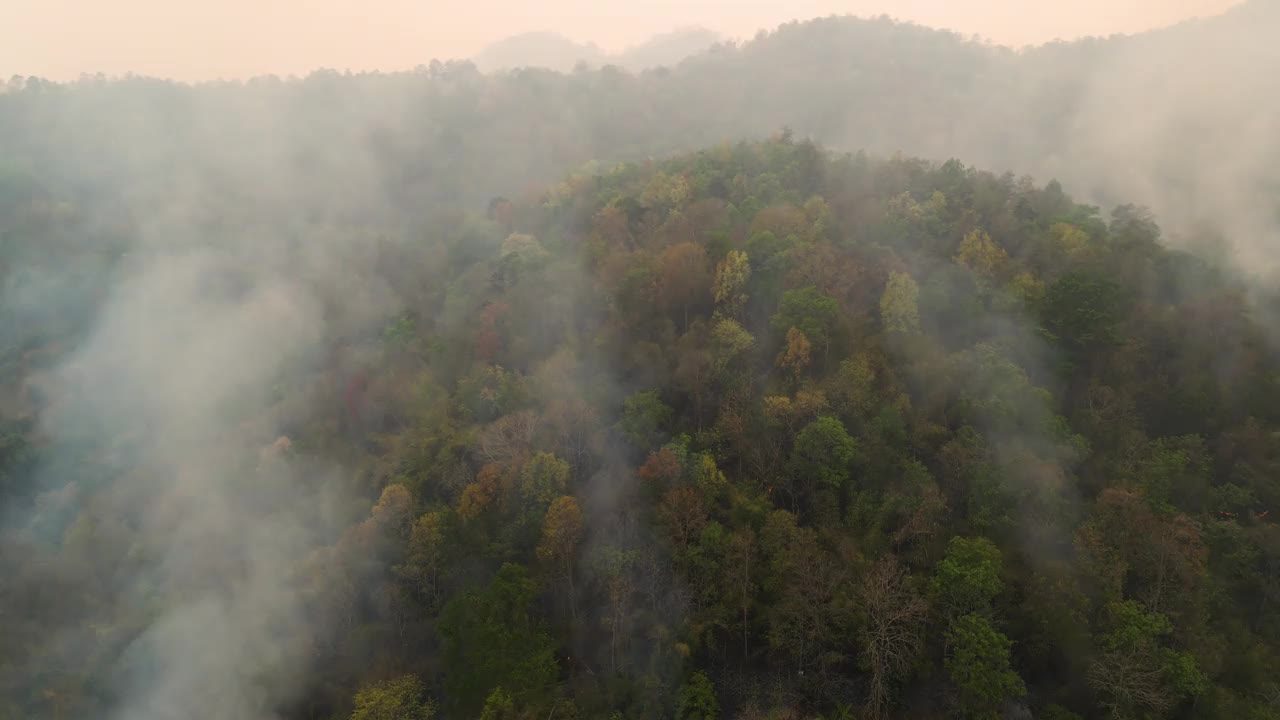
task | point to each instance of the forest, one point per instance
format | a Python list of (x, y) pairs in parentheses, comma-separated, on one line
[(678, 394)]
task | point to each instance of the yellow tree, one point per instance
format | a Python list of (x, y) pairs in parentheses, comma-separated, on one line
[(982, 256), (561, 533), (544, 478), (797, 355), (731, 279)]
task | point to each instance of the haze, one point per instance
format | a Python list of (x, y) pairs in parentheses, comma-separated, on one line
[(61, 39)]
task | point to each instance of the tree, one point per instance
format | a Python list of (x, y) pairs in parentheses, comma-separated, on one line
[(493, 638), (983, 257), (899, 305), (824, 452), (732, 275), (968, 578), (499, 706), (521, 254), (1082, 311), (729, 341), (812, 313), (662, 468), (643, 416), (892, 632), (561, 533), (490, 330), (485, 494), (683, 513), (741, 576), (1158, 558), (978, 664), (1070, 241), (795, 356), (697, 362), (666, 191), (544, 478), (698, 699), (811, 619), (1134, 673), (401, 698), (423, 566), (393, 511), (683, 279), (509, 439), (707, 477)]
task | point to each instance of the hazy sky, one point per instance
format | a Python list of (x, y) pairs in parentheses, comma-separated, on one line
[(202, 39)]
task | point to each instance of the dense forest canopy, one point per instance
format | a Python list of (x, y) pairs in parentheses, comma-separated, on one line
[(538, 395)]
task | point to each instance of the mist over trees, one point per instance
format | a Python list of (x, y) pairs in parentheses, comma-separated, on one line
[(550, 51), (717, 390)]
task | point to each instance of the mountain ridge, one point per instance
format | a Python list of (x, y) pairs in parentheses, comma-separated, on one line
[(553, 51)]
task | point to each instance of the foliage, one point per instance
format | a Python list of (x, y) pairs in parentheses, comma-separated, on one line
[(978, 664), (732, 275), (698, 699), (899, 311), (810, 312), (836, 431), (968, 578), (824, 451), (397, 699), (643, 418), (493, 638)]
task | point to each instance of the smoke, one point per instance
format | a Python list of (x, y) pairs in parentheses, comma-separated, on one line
[(1186, 122), (221, 264), (253, 213), (184, 352)]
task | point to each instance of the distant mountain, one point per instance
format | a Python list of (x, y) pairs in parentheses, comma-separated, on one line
[(556, 52), (537, 49), (667, 49)]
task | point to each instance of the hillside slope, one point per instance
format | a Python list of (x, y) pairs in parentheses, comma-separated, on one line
[(756, 429)]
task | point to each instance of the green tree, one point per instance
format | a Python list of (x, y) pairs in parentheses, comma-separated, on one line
[(968, 578), (811, 312), (698, 699), (643, 417), (401, 698), (493, 637), (729, 341), (499, 706), (1135, 674), (824, 452), (1082, 311), (978, 664)]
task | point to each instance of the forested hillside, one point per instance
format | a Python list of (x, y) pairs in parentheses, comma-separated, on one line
[(751, 432), (599, 395)]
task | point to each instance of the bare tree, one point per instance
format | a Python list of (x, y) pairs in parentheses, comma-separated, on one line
[(891, 637), (508, 439), (1127, 680)]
